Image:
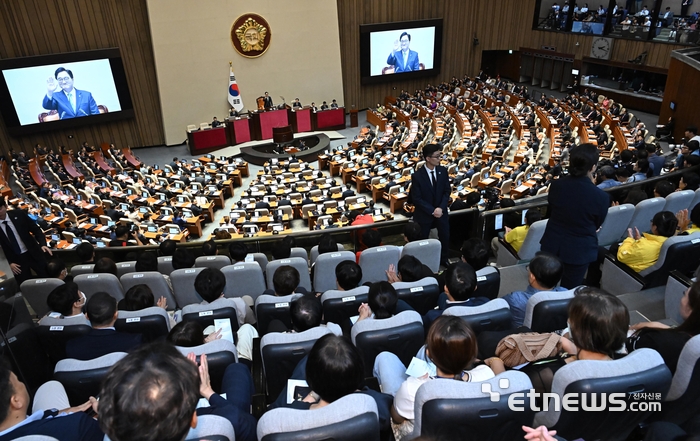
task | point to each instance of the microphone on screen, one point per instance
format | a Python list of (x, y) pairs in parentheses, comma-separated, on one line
[(62, 114)]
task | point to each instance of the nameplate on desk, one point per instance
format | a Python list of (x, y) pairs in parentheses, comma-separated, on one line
[(423, 243), (190, 271), (92, 276), (133, 320), (381, 249), (285, 261), (40, 281), (348, 299), (282, 305), (206, 313), (481, 279), (55, 328), (236, 267), (417, 289), (335, 255), (137, 276), (211, 257)]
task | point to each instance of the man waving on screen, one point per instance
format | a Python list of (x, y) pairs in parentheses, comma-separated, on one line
[(402, 58), (69, 102)]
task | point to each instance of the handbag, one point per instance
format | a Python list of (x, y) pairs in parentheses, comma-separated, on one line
[(517, 349)]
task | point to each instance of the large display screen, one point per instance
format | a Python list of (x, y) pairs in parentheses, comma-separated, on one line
[(63, 90), (391, 51)]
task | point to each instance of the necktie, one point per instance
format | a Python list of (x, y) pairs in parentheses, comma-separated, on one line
[(70, 100), (432, 177), (11, 238)]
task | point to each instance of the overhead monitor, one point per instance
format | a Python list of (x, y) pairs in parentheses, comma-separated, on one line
[(61, 91), (400, 50)]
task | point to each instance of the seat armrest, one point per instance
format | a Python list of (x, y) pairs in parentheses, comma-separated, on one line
[(618, 278)]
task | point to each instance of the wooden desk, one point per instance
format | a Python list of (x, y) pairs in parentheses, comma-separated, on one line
[(130, 158), (206, 140)]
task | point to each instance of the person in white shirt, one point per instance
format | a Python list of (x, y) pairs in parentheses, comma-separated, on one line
[(451, 353)]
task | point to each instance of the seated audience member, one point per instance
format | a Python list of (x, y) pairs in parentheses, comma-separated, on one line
[(238, 252), (105, 265), (103, 338), (152, 394), (285, 282), (56, 269), (668, 341), (598, 324), (684, 222), (123, 235), (370, 238), (663, 189), (148, 261), (209, 248), (689, 181), (475, 253), (641, 171), (516, 236), (306, 312), (412, 232), (85, 253), (410, 269), (460, 290), (281, 250), (140, 297), (348, 275), (634, 197), (221, 235), (326, 244), (210, 284), (167, 247), (543, 274), (69, 423), (182, 258), (451, 346), (639, 252), (607, 178), (66, 300), (190, 334), (382, 302), (334, 369)]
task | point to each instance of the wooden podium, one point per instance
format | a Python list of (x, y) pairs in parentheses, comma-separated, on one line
[(282, 134), (353, 118)]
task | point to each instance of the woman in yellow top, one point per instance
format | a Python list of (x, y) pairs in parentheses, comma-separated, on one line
[(516, 236), (684, 222), (640, 252)]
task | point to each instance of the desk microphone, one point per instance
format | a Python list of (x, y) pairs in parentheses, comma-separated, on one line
[(62, 114), (84, 112)]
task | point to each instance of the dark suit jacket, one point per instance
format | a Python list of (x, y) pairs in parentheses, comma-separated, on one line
[(577, 208), (267, 100), (396, 59), (24, 226), (101, 342), (77, 426), (84, 104), (425, 197)]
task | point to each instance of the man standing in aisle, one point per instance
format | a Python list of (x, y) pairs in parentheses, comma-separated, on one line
[(430, 192), (23, 243)]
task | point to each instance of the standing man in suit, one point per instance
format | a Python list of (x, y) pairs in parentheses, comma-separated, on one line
[(267, 100), (69, 102), (430, 192), (23, 243), (402, 58)]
